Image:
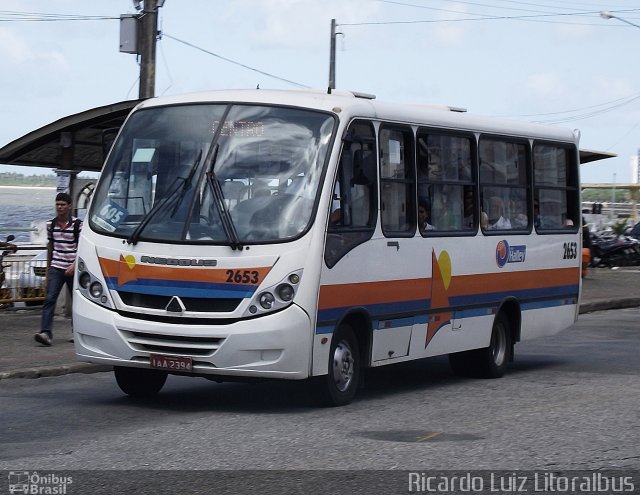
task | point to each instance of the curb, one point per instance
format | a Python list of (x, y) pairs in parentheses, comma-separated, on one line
[(55, 370), (604, 305)]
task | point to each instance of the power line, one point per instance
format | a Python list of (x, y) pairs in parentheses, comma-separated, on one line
[(588, 115), (532, 18), (234, 62), (457, 11), (9, 16), (554, 7), (627, 99)]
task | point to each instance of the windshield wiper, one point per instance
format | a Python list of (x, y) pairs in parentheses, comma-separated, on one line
[(218, 198), (165, 200)]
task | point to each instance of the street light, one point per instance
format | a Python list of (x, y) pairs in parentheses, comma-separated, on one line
[(605, 14)]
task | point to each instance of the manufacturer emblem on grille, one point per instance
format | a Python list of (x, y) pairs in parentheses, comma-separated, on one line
[(175, 305)]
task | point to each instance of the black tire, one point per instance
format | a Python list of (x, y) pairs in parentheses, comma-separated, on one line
[(340, 385), (491, 361), (139, 382)]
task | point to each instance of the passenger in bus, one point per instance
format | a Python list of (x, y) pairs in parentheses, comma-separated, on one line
[(259, 189), (335, 218), (495, 218), (424, 215), (519, 218)]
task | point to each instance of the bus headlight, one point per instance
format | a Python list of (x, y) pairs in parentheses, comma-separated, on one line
[(95, 289), (84, 280), (285, 292), (266, 300), (275, 297), (91, 287)]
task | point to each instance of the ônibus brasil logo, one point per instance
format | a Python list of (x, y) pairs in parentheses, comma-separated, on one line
[(509, 254)]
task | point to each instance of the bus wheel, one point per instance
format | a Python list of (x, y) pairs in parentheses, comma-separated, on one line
[(489, 362), (344, 368), (139, 382)]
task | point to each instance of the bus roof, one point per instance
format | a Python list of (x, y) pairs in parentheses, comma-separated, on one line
[(350, 105)]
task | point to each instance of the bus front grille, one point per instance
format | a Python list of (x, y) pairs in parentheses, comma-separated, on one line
[(197, 304), (172, 344)]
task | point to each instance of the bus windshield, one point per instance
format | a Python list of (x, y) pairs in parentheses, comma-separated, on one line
[(213, 173)]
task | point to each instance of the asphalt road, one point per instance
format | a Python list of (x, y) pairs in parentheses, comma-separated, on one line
[(569, 402)]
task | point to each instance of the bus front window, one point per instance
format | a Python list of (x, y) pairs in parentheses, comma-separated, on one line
[(267, 161)]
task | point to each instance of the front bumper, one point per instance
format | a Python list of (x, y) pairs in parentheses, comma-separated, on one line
[(277, 345)]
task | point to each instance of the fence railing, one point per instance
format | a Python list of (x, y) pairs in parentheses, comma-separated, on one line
[(23, 276)]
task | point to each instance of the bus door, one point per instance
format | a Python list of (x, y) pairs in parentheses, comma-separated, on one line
[(397, 253), (363, 268)]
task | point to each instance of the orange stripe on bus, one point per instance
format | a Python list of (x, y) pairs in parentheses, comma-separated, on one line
[(464, 285), (356, 294), (121, 270)]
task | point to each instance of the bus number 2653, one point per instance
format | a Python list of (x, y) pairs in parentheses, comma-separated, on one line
[(570, 250)]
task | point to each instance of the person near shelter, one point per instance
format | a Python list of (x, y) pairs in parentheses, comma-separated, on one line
[(6, 246), (62, 233)]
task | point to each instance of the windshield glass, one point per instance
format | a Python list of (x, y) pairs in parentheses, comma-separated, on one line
[(161, 180)]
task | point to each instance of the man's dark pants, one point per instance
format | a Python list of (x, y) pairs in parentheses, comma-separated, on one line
[(55, 281)]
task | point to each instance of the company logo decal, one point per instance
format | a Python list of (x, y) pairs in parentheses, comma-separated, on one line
[(441, 280), (127, 269), (509, 254), (152, 260)]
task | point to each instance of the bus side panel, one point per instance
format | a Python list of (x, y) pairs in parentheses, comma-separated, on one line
[(546, 321), (453, 288), (384, 282)]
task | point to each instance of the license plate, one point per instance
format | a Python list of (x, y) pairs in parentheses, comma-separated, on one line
[(170, 363)]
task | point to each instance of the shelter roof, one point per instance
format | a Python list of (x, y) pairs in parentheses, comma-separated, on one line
[(80, 133)]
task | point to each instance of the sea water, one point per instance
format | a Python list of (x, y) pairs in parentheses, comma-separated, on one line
[(20, 207)]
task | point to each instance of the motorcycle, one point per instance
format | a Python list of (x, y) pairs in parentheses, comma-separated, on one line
[(615, 251)]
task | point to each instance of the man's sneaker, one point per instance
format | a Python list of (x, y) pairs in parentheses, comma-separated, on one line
[(43, 339)]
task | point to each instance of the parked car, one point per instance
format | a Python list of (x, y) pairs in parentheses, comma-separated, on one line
[(635, 231)]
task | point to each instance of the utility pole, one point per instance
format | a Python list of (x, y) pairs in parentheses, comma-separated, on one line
[(332, 56), (138, 35), (149, 31)]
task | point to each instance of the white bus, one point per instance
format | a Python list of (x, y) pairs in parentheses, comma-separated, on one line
[(301, 234)]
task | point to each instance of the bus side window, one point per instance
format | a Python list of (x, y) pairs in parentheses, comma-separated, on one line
[(352, 214), (505, 186), (397, 181), (556, 187), (446, 182)]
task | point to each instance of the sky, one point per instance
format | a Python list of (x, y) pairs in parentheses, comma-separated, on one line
[(559, 63)]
